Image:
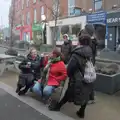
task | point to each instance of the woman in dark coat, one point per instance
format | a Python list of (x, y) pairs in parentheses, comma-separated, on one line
[(78, 91), (30, 71)]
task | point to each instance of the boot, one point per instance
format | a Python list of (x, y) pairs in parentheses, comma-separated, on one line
[(54, 108), (80, 114)]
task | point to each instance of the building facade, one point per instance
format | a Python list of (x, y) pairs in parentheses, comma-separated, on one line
[(27, 13)]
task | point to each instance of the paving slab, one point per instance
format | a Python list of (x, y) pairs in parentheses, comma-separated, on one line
[(13, 109), (107, 107)]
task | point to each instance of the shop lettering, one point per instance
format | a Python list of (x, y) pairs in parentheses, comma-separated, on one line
[(113, 20)]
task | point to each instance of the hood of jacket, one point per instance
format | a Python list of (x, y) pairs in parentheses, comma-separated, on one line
[(83, 51)]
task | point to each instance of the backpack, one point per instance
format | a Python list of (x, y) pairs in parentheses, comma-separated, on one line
[(89, 72)]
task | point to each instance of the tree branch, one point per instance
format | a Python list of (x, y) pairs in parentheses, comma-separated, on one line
[(48, 7)]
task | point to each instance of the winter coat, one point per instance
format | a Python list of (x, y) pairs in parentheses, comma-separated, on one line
[(66, 49), (35, 67), (94, 49), (57, 73), (78, 90)]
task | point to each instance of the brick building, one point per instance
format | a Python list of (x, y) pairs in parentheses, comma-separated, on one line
[(28, 12)]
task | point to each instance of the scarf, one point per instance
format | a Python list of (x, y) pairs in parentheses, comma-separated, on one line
[(47, 67), (54, 60)]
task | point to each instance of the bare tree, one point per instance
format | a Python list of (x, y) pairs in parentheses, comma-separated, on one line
[(55, 12)]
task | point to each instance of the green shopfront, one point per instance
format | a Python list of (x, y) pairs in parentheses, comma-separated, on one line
[(38, 31), (113, 22)]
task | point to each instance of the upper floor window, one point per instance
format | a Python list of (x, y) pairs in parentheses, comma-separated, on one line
[(22, 19), (27, 3), (42, 10), (28, 18), (35, 15), (98, 5), (71, 5), (34, 1), (22, 4)]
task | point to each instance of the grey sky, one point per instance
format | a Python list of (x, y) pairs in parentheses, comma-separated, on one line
[(4, 12)]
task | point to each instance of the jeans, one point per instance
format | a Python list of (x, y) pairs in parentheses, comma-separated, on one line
[(47, 90)]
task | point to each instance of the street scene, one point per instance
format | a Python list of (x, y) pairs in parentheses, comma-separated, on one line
[(60, 60)]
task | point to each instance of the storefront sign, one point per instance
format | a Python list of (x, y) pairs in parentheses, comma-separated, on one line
[(113, 19), (97, 17), (37, 27), (59, 22)]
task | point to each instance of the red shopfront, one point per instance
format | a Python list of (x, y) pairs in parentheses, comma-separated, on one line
[(25, 32)]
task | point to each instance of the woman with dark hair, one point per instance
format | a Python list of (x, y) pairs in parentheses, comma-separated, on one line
[(78, 90), (56, 73)]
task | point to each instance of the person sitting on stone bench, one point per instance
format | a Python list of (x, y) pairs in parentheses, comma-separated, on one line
[(57, 73)]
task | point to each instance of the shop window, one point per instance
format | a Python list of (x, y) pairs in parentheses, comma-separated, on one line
[(98, 5), (76, 29), (71, 30)]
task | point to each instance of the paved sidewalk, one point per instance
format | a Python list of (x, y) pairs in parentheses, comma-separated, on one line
[(106, 107), (13, 109)]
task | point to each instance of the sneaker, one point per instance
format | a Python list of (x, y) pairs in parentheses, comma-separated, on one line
[(17, 90), (91, 102)]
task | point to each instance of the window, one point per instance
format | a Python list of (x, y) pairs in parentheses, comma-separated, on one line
[(27, 3), (54, 7), (22, 4), (35, 16), (22, 19), (34, 1), (28, 18), (98, 5), (42, 10), (71, 5), (71, 30)]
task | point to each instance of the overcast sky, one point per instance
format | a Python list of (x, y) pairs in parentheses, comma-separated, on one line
[(4, 12)]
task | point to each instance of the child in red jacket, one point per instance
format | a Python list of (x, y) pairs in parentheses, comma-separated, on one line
[(56, 73)]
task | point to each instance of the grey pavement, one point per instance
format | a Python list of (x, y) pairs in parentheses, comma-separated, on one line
[(106, 107), (13, 109)]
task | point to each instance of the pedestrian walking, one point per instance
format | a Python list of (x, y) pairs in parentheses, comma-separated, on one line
[(81, 77), (93, 45), (66, 48)]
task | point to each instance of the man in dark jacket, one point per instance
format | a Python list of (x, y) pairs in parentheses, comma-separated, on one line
[(78, 91), (66, 48)]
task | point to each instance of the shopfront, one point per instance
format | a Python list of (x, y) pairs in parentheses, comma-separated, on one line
[(98, 20), (70, 26), (25, 32), (113, 21), (38, 33)]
